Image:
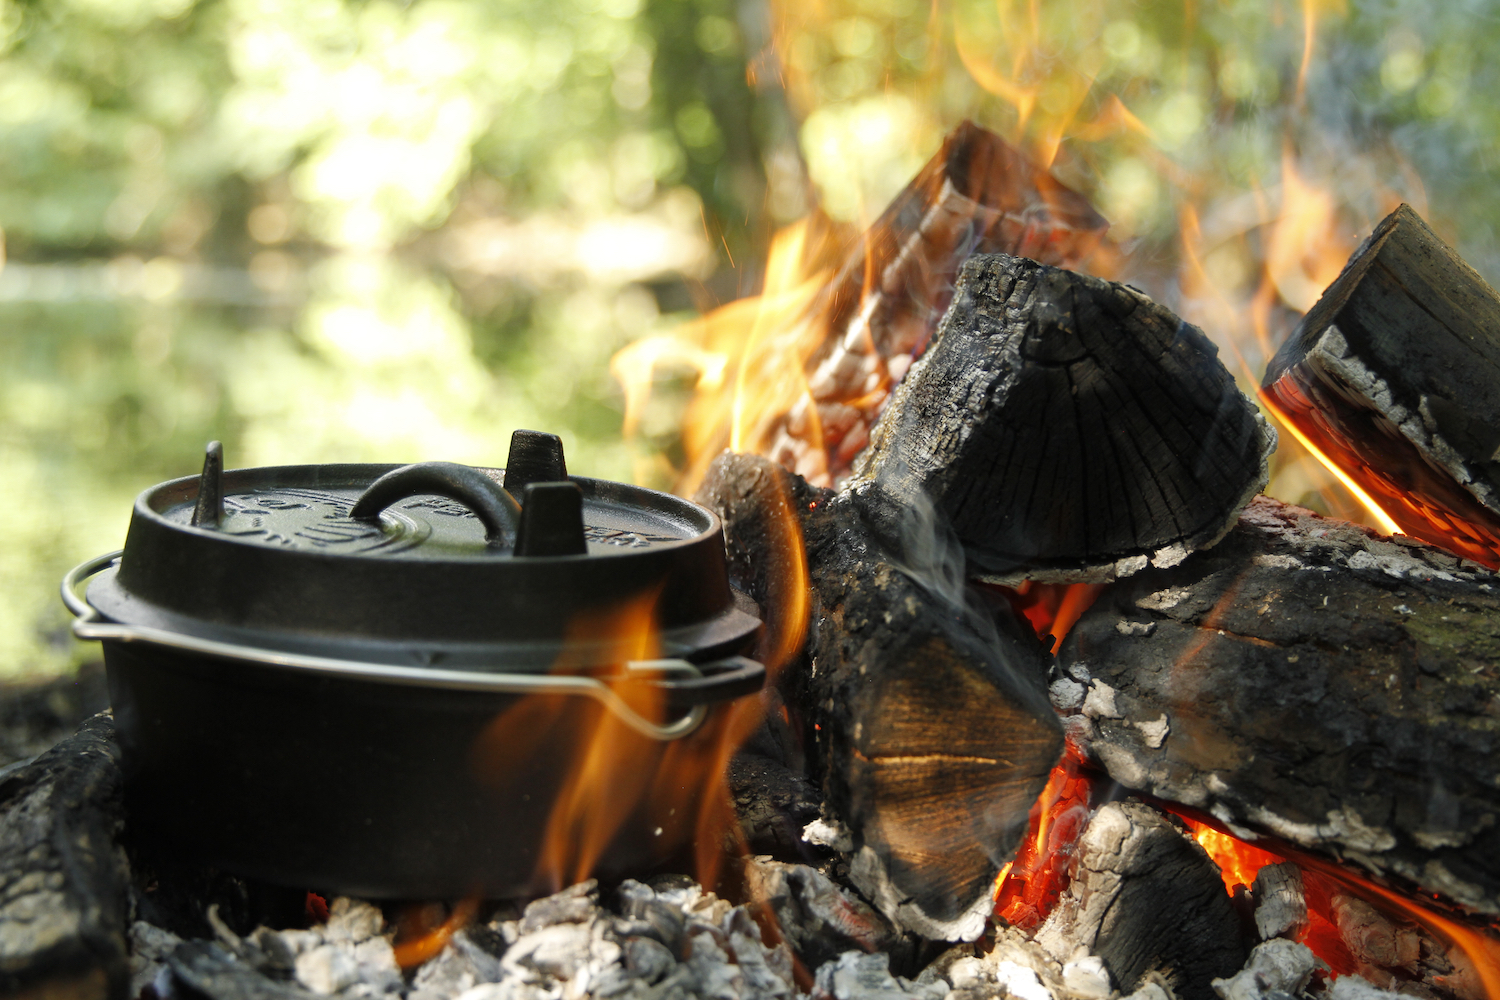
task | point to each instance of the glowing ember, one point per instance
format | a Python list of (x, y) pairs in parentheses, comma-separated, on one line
[(1325, 881), (1028, 888)]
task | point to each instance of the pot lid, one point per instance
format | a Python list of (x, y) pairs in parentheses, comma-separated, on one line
[(434, 563)]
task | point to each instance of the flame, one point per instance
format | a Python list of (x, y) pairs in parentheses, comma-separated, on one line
[(1299, 225), (420, 935), (759, 346), (612, 767), (615, 775), (1238, 860), (1052, 608), (1387, 523)]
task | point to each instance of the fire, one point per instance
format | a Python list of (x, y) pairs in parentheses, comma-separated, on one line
[(1387, 523), (1052, 608), (749, 358), (1254, 253), (1238, 860), (423, 930), (1029, 886), (615, 774)]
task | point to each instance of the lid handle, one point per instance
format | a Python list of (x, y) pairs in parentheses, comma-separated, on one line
[(535, 457), (208, 512), (496, 509), (552, 521)]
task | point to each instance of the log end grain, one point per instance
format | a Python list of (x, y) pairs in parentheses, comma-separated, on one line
[(1071, 429)]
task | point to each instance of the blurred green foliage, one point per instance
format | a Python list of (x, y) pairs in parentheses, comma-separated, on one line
[(334, 230)]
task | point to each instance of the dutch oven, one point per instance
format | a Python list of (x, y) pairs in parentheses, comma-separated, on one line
[(376, 680)]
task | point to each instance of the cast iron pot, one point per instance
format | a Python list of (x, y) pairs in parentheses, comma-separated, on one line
[(376, 680)]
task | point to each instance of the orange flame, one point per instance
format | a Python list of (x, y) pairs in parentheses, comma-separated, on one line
[(420, 937), (1387, 523), (616, 775), (1052, 608), (758, 346)]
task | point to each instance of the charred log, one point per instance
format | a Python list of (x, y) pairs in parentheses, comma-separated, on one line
[(64, 881), (977, 195), (1396, 374), (1308, 680), (925, 720), (1146, 898), (1070, 428)]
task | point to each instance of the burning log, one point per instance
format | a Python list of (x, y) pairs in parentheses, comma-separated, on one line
[(1395, 374), (64, 881), (1145, 898), (924, 718), (1070, 428), (1309, 680), (977, 195)]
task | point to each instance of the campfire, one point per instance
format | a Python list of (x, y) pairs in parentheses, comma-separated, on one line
[(1059, 706)]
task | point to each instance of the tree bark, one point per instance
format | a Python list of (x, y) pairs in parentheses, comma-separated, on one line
[(1395, 373), (1308, 680), (923, 717), (1070, 428)]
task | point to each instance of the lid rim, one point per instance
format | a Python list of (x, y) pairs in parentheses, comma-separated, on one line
[(397, 604)]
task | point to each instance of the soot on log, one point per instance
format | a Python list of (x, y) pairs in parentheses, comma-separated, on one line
[(1395, 373), (1071, 429), (1310, 680), (924, 718)]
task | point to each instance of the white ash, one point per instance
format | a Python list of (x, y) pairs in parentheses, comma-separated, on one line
[(1100, 702), (858, 976), (1280, 903), (1067, 694), (1275, 968), (830, 834), (1155, 731), (1357, 988), (149, 948), (1127, 627)]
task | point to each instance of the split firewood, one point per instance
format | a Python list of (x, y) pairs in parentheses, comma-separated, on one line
[(1395, 373), (1145, 897), (1309, 680), (1071, 429), (977, 195), (64, 881), (924, 717)]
